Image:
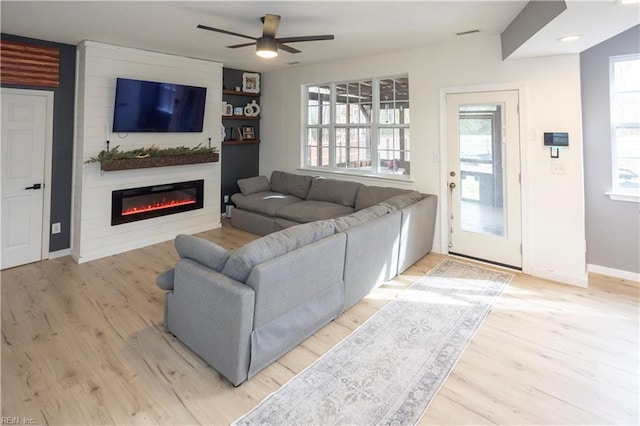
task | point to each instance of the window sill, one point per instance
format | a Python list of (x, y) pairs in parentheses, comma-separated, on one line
[(395, 178), (624, 196)]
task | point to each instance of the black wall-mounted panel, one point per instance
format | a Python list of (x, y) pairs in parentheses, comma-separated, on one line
[(238, 162)]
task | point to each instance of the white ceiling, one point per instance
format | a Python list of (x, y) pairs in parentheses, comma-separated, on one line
[(360, 27), (595, 21)]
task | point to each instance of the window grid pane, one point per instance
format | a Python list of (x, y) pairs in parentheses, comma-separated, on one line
[(353, 147), (625, 121), (394, 101), (318, 104), (393, 151), (348, 141)]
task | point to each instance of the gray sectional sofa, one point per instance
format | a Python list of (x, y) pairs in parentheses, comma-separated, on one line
[(330, 243)]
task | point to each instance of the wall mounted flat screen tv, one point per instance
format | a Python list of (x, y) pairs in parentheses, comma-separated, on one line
[(148, 106)]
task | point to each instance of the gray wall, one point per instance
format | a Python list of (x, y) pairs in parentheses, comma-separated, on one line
[(63, 112), (613, 227), (530, 20)]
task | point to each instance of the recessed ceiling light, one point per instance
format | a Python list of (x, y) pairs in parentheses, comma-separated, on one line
[(572, 37)]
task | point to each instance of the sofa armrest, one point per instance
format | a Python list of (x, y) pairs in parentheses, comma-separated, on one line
[(417, 229), (213, 315)]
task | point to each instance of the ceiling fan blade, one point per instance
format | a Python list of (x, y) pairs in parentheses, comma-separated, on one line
[(271, 24), (304, 38), (235, 46), (287, 48), (218, 30)]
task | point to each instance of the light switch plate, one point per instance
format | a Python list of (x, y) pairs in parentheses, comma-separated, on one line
[(558, 168)]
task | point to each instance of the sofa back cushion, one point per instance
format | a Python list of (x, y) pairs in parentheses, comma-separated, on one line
[(243, 259), (334, 191), (365, 215), (371, 195), (254, 184), (202, 251), (287, 183), (403, 200)]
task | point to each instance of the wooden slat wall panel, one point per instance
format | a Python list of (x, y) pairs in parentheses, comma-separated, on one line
[(29, 64)]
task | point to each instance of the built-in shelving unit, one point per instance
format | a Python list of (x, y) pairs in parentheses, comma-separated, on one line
[(233, 122), (240, 157)]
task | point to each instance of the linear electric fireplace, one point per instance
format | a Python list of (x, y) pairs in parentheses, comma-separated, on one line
[(130, 205)]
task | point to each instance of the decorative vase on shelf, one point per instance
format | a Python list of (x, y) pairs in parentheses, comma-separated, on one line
[(252, 109)]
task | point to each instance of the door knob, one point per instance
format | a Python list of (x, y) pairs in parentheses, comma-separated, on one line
[(452, 185), (35, 186)]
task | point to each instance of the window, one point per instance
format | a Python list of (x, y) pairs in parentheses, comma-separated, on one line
[(625, 123), (358, 127)]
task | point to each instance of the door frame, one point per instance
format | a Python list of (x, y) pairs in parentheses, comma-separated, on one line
[(48, 159), (524, 165)]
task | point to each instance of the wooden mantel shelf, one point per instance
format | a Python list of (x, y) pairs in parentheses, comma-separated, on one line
[(159, 161)]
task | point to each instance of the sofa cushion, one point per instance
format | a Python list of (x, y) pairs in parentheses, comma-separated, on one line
[(165, 279), (243, 259), (202, 251), (334, 191), (372, 195), (287, 183), (308, 211), (254, 184), (403, 200), (345, 222), (267, 202), (284, 223)]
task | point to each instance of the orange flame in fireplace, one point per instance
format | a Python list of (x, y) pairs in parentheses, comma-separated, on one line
[(159, 205)]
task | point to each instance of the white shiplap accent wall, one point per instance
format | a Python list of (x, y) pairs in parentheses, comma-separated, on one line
[(98, 67)]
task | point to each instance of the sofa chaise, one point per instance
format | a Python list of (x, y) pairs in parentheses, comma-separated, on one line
[(242, 310)]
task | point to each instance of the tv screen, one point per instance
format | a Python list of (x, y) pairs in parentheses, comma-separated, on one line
[(148, 106)]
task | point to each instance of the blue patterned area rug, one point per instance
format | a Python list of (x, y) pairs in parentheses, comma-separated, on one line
[(390, 368)]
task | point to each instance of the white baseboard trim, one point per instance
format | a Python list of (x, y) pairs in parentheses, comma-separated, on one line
[(616, 273), (59, 253), (155, 239)]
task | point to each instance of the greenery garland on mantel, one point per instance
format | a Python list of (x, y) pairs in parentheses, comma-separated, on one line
[(144, 157)]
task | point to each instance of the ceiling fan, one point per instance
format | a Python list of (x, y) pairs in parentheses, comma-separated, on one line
[(267, 46)]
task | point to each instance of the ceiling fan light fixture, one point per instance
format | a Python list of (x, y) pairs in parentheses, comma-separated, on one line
[(266, 47)]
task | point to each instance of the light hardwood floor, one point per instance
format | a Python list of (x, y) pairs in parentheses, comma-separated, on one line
[(83, 344)]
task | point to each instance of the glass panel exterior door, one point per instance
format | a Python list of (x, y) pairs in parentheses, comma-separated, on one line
[(483, 160)]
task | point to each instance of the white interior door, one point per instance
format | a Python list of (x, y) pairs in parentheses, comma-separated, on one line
[(484, 176), (24, 132)]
